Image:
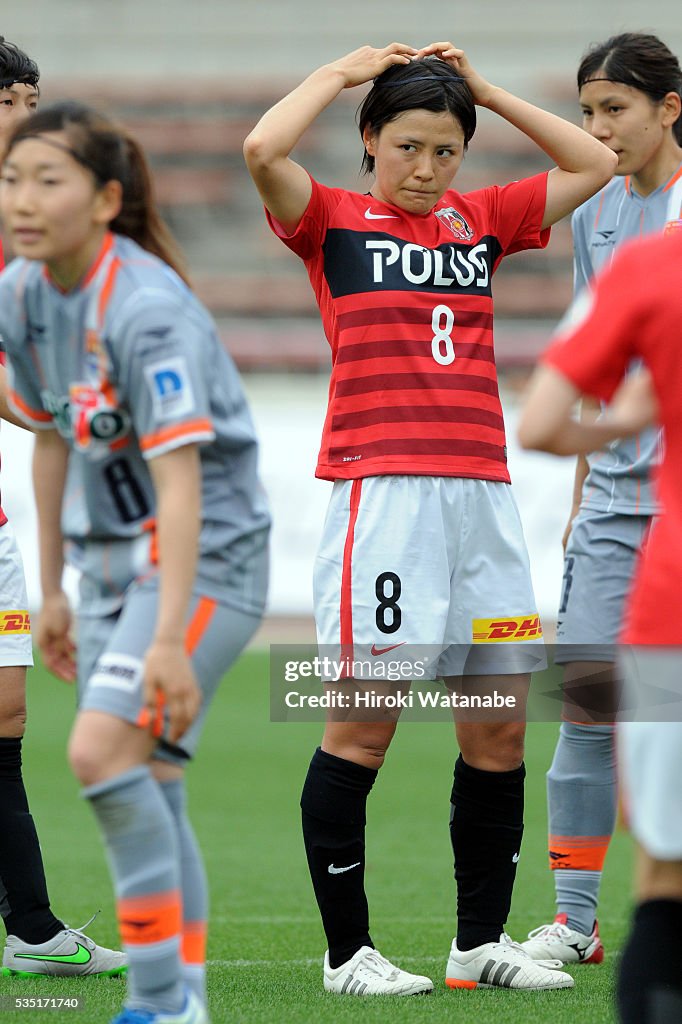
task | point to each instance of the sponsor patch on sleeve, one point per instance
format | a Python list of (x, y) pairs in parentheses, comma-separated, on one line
[(171, 388)]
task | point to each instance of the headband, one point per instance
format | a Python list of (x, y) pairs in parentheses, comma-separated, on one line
[(6, 83)]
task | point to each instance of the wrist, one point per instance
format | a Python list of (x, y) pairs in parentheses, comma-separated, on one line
[(488, 96)]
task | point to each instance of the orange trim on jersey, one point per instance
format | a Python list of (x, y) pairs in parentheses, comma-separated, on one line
[(193, 943), (676, 177), (346, 602), (578, 853), (107, 289), (143, 920), (35, 414), (171, 433), (107, 243), (628, 184), (199, 623), (598, 214)]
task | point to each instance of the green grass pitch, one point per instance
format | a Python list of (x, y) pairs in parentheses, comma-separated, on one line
[(266, 943)]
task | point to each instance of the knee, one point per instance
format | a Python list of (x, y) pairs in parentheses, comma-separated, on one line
[(13, 722), (497, 748), (85, 760), (365, 745)]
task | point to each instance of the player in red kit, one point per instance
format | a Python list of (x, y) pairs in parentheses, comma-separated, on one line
[(633, 317), (422, 526)]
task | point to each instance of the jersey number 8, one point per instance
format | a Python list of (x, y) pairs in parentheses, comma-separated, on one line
[(442, 346)]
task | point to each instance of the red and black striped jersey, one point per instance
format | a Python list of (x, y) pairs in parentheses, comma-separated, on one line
[(407, 308)]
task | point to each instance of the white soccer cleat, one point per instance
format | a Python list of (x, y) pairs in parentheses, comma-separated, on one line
[(502, 964), (368, 973), (68, 954), (563, 943)]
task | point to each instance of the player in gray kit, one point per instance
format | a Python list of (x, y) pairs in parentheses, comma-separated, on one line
[(146, 465), (630, 89), (38, 942)]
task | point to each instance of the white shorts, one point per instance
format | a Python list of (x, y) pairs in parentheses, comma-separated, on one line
[(650, 748), (435, 566), (15, 622)]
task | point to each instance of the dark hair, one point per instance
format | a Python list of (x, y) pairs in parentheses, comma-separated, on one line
[(427, 84), (639, 60), (16, 66), (110, 154)]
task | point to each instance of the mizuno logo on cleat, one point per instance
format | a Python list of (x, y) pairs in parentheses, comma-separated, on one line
[(339, 871), (81, 956)]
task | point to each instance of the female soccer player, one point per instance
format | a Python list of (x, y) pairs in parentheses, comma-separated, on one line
[(146, 449), (635, 314), (422, 525), (38, 942), (630, 89)]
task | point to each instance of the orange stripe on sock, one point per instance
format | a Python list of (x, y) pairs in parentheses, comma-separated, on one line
[(194, 942), (153, 918), (578, 853), (199, 624)]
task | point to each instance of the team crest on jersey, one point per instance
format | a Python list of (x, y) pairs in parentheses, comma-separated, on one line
[(456, 222)]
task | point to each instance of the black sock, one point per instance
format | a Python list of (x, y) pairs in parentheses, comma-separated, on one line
[(486, 829), (333, 814), (649, 986), (26, 906)]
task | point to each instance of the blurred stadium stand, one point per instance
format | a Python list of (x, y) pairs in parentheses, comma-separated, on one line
[(191, 79)]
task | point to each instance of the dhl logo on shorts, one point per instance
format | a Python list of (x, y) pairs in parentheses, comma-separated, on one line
[(14, 622), (497, 631)]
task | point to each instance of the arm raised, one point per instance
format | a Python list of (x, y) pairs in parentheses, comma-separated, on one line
[(584, 165), (283, 184)]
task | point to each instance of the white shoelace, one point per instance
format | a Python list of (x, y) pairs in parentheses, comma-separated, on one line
[(547, 930)]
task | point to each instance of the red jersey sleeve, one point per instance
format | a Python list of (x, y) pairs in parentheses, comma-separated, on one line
[(306, 241), (516, 212), (600, 337)]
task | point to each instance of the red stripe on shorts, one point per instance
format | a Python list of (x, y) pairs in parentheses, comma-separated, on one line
[(346, 605)]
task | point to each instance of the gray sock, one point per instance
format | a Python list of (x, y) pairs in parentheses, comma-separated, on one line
[(142, 848), (582, 802), (194, 890)]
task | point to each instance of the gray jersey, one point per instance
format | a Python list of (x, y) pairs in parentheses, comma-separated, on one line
[(619, 475), (128, 367)]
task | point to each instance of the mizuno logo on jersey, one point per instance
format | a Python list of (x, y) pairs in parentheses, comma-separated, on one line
[(500, 630)]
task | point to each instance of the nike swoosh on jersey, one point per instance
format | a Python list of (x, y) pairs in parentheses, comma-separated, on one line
[(378, 216), (339, 871), (81, 956), (376, 651)]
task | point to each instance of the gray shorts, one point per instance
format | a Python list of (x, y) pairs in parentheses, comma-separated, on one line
[(598, 571), (111, 648)]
